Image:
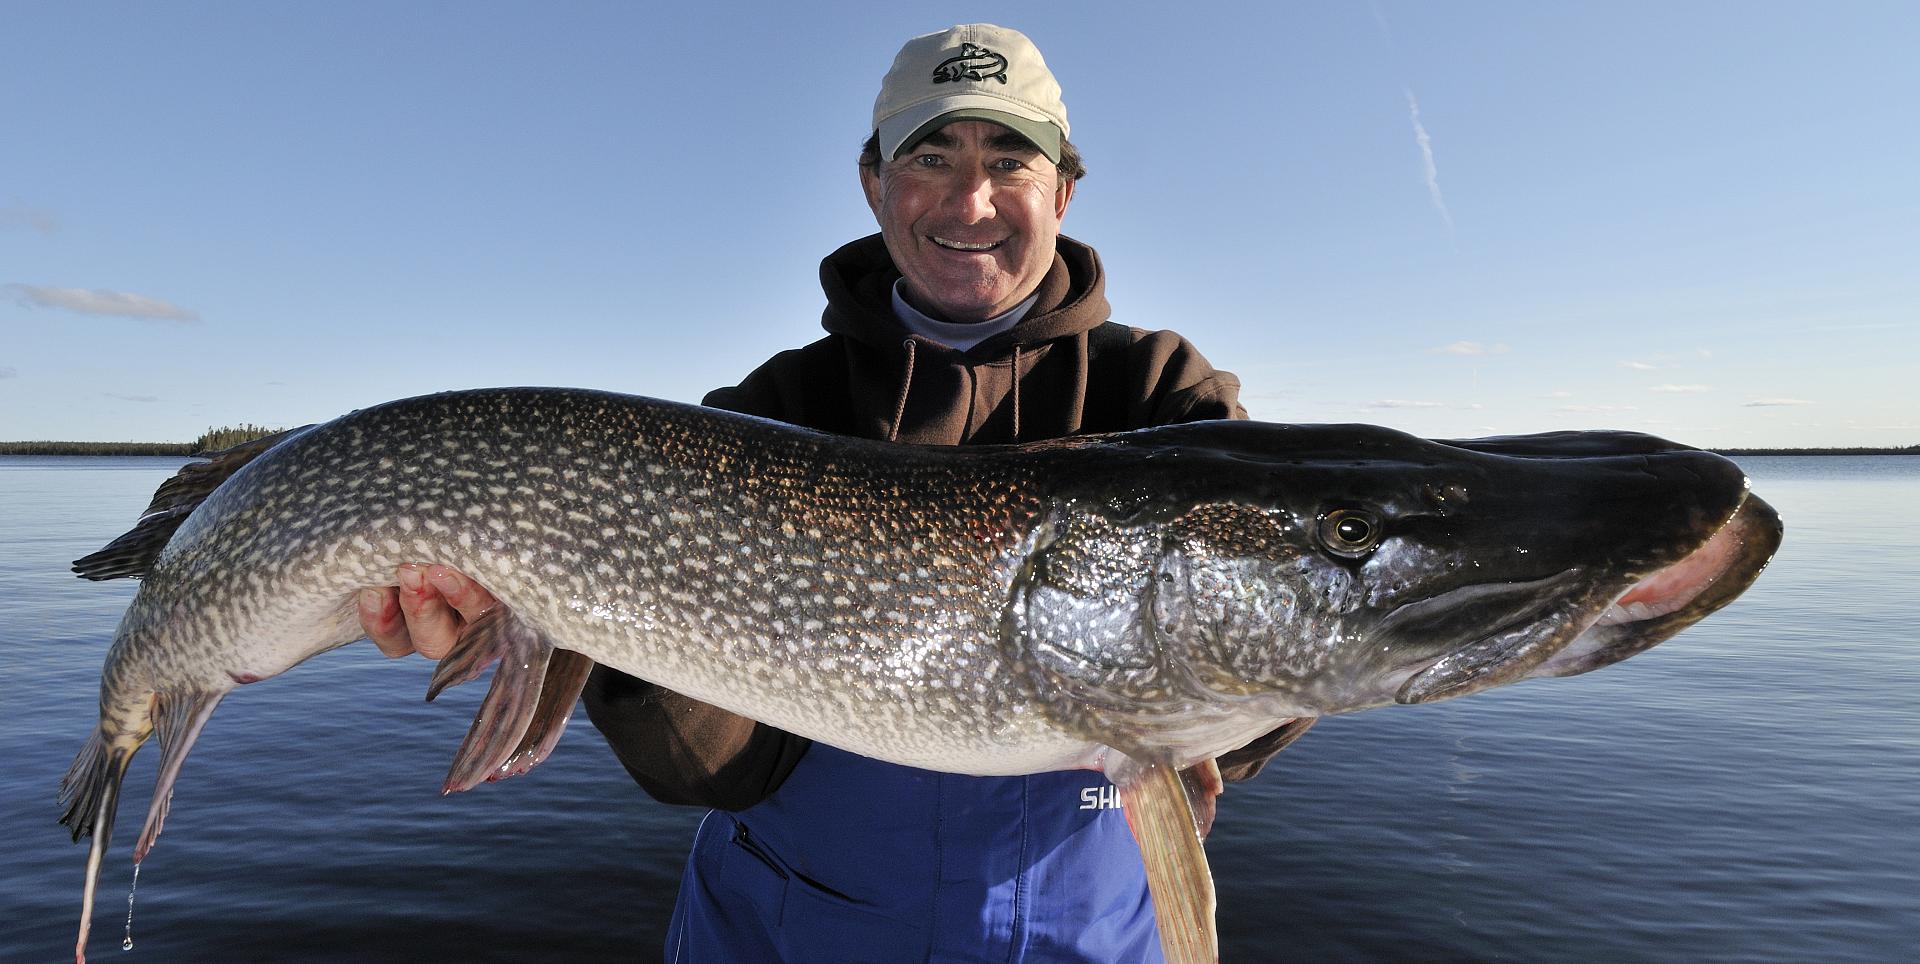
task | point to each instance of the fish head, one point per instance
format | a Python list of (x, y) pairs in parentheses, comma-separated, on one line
[(1237, 573)]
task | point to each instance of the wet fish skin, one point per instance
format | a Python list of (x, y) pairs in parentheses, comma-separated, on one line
[(1150, 598)]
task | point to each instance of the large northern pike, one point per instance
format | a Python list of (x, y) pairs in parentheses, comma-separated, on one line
[(1136, 603)]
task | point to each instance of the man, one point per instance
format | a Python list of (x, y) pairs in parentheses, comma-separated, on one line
[(968, 319)]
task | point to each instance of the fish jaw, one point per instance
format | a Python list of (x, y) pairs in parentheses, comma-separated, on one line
[(1670, 600), (1592, 630)]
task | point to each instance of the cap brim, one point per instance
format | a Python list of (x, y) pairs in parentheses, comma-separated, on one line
[(910, 126)]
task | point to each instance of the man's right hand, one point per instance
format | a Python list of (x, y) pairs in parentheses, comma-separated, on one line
[(424, 613)]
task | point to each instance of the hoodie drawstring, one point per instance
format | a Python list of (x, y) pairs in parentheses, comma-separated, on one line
[(1016, 392), (900, 406)]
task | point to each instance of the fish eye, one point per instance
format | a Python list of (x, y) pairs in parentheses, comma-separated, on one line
[(1349, 532)]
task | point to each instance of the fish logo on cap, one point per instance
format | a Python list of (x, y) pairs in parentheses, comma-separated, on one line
[(974, 63)]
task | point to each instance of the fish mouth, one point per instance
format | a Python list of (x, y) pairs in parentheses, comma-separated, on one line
[(1566, 636), (1669, 600)]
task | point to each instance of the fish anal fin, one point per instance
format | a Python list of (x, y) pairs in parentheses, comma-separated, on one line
[(1158, 810), (178, 718), (132, 554), (566, 676), (521, 656)]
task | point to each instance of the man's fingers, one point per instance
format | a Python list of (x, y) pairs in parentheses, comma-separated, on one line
[(380, 618), (468, 598), (432, 624)]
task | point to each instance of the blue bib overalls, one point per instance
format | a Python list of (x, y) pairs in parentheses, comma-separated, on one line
[(857, 860)]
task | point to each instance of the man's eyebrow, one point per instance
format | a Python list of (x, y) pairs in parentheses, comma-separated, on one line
[(1010, 141), (939, 138)]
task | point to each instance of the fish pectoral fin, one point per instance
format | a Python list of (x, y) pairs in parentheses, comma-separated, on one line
[(1203, 784), (1159, 811), (178, 718), (566, 676), (522, 656)]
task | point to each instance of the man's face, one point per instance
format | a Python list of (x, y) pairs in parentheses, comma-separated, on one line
[(970, 215)]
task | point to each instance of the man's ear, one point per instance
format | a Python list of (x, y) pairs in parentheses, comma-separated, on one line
[(1062, 195), (870, 185)]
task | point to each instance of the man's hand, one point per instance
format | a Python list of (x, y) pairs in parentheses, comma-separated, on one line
[(425, 613)]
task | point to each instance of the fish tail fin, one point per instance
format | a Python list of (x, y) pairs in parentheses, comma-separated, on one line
[(1163, 819), (132, 554), (526, 705), (91, 792), (178, 718)]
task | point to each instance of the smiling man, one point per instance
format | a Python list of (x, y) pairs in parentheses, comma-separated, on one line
[(968, 319)]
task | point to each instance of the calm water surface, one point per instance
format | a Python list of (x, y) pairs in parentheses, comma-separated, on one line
[(1748, 791)]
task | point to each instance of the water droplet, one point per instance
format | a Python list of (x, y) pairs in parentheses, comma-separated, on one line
[(126, 943)]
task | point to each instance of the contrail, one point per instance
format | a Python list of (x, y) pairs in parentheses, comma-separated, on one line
[(1426, 154)]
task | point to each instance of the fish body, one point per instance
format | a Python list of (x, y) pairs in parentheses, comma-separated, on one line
[(1125, 602)]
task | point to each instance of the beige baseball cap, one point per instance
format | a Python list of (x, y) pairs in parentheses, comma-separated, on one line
[(974, 71)]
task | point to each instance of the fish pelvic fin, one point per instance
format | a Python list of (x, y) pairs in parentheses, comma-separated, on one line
[(567, 673), (518, 721), (91, 793), (1160, 810), (178, 718), (132, 554)]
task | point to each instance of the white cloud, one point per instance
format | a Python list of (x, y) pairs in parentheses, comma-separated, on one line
[(101, 301), (1403, 403), (1426, 156), (1771, 402), (1679, 389), (1558, 395), (132, 398), (9, 372), (1639, 366), (1469, 348), (1598, 409)]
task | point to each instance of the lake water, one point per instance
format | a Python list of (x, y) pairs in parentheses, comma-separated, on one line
[(1748, 791)]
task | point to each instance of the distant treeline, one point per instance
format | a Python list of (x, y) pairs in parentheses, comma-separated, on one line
[(1906, 450), (211, 440)]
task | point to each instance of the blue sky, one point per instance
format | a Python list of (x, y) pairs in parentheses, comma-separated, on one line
[(1696, 219)]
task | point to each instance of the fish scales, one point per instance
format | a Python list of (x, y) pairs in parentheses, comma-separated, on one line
[(650, 537)]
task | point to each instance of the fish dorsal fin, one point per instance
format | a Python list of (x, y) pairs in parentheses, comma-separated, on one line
[(132, 555)]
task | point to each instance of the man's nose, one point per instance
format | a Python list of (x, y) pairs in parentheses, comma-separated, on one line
[(970, 197)]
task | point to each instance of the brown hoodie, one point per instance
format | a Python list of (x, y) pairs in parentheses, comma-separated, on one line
[(1063, 369)]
